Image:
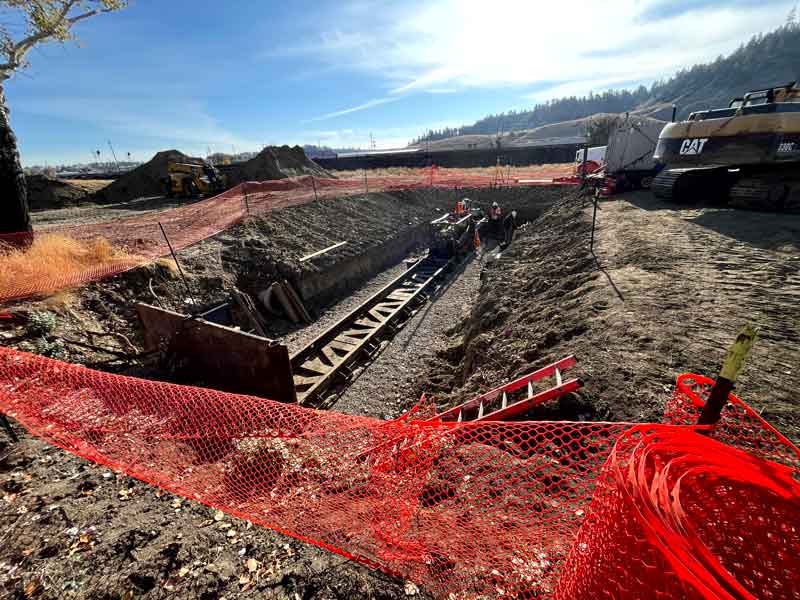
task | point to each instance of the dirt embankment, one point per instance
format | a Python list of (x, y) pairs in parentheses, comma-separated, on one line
[(50, 193), (252, 255), (145, 180), (666, 292), (274, 162)]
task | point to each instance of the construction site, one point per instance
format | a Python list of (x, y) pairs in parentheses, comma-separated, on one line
[(465, 379), (520, 366)]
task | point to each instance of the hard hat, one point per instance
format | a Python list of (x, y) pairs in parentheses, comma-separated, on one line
[(494, 204)]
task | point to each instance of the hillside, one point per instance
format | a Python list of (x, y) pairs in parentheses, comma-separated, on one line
[(766, 60), (566, 132)]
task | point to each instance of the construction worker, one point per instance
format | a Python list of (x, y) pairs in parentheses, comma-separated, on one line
[(509, 226)]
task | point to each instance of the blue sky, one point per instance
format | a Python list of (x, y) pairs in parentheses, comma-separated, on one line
[(239, 74)]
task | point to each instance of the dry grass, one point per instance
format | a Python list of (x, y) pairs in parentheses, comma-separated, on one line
[(89, 185), (545, 170), (55, 258), (169, 265)]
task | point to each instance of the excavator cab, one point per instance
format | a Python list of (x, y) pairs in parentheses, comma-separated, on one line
[(783, 93)]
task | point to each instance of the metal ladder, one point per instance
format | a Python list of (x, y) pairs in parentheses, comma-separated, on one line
[(516, 397)]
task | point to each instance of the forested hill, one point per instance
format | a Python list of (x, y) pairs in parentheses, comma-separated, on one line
[(766, 60)]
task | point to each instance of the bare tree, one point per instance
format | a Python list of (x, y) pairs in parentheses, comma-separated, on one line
[(44, 21)]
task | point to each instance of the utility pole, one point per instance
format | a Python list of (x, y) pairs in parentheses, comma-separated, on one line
[(114, 155)]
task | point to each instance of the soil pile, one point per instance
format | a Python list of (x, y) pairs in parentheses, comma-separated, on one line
[(100, 534), (47, 192), (665, 292), (275, 162), (144, 180)]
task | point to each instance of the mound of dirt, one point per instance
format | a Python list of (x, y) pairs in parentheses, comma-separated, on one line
[(144, 180), (47, 192), (665, 292), (275, 162)]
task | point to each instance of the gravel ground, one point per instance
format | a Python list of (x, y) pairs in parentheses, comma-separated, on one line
[(99, 213), (394, 381)]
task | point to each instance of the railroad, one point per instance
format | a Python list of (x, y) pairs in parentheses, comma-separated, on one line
[(329, 361)]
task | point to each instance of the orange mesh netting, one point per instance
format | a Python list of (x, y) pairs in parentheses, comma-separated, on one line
[(465, 509), (140, 238)]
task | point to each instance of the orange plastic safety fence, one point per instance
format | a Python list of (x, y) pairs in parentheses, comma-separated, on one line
[(141, 239), (687, 512), (468, 509)]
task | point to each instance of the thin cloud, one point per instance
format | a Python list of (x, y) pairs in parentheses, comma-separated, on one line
[(352, 109), (458, 45), (384, 137)]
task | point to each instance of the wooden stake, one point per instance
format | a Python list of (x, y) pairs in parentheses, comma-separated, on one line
[(734, 361)]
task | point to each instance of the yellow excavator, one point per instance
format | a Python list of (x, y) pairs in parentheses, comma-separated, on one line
[(191, 180), (746, 155)]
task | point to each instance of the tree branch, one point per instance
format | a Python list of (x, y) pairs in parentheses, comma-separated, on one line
[(16, 52)]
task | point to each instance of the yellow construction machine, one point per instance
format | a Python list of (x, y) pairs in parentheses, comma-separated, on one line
[(747, 154), (191, 180)]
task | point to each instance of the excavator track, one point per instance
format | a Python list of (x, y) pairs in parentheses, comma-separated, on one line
[(752, 192), (708, 184), (768, 192), (665, 183)]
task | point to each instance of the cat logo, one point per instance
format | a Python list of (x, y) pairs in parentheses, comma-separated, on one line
[(689, 147)]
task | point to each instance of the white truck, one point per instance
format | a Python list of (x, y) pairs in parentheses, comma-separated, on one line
[(629, 162), (595, 160)]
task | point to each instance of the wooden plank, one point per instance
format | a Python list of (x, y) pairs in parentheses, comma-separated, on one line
[(323, 251)]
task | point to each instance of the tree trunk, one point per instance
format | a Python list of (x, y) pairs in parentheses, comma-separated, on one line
[(14, 215)]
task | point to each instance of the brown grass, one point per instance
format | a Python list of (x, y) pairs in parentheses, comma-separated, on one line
[(546, 170), (90, 185), (53, 258)]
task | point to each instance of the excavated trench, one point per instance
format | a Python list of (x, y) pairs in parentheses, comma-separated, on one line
[(334, 253), (381, 230)]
